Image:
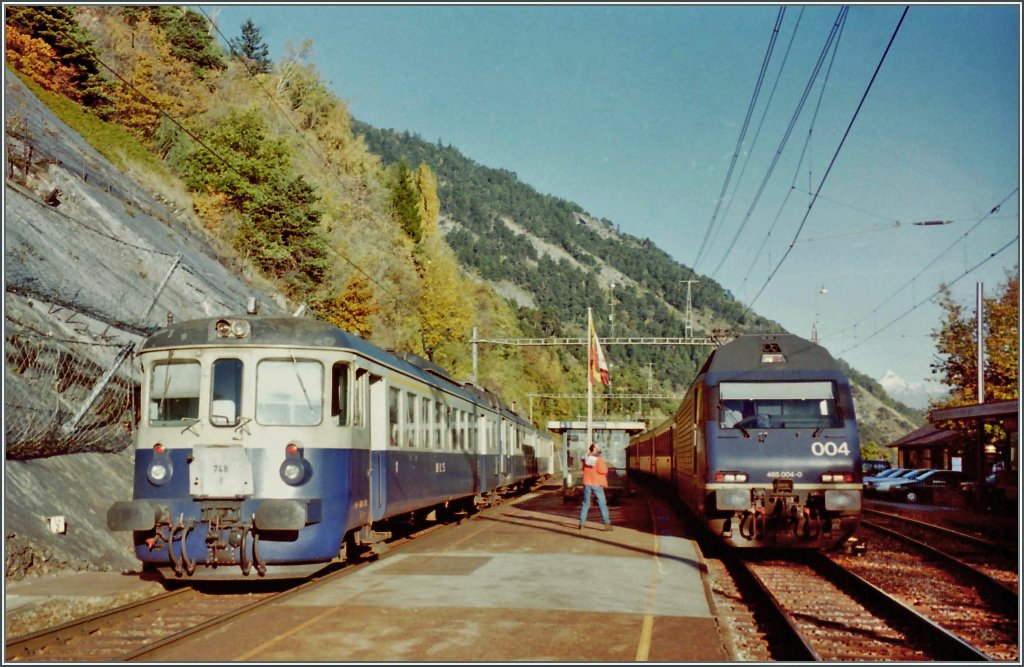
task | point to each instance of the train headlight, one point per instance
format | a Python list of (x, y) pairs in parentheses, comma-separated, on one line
[(730, 476), (842, 500), (732, 499), (229, 328), (160, 469), (294, 469), (837, 477)]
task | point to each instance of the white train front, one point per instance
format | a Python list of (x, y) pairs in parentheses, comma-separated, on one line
[(271, 447)]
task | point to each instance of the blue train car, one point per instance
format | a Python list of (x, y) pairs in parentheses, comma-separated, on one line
[(271, 447), (765, 450)]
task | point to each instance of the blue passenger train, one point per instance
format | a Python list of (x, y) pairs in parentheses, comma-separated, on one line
[(763, 449), (271, 447)]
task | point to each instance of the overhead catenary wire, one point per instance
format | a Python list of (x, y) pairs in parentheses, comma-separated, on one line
[(931, 296), (833, 38), (927, 266), (743, 132), (805, 150), (760, 125), (831, 163)]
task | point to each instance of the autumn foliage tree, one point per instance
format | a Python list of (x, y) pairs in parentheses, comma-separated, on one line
[(72, 46), (353, 309), (37, 59), (956, 344), (430, 204), (444, 312)]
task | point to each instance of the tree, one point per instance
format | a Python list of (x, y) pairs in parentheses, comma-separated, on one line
[(956, 344), (251, 49), (280, 229), (405, 203), (191, 41), (154, 80), (444, 311), (353, 309), (38, 60), (58, 27), (430, 205)]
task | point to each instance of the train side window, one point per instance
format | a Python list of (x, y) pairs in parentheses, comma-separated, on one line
[(425, 422), (462, 429), (359, 397), (289, 392), (438, 423), (174, 393), (410, 420), (453, 425), (226, 397), (393, 425), (339, 393)]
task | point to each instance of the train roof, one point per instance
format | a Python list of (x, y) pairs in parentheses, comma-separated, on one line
[(770, 353), (302, 332)]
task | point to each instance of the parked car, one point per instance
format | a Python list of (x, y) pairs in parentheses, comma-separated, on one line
[(932, 486), (870, 467), (884, 486), (888, 472)]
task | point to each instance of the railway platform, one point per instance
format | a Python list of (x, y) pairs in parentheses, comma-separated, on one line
[(517, 582)]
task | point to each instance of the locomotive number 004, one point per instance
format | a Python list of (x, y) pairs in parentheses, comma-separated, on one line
[(829, 449)]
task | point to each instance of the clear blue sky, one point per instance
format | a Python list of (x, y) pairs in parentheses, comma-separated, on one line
[(634, 113)]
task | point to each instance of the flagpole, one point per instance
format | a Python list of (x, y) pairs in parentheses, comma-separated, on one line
[(590, 379)]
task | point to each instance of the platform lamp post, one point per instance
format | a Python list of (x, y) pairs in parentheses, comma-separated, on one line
[(814, 327)]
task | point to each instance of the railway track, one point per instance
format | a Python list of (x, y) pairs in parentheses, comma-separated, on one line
[(134, 631), (995, 561), (830, 614), (953, 594), (131, 630)]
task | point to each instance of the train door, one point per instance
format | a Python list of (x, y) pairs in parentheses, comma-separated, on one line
[(505, 450), (378, 420)]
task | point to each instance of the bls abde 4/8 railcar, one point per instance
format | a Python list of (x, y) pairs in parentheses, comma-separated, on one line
[(764, 448), (274, 446)]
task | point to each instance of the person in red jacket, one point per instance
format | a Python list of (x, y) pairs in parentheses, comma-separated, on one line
[(595, 481)]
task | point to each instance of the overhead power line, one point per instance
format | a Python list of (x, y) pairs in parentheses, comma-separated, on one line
[(833, 37), (930, 296), (927, 266), (743, 133), (760, 126), (831, 163), (804, 151)]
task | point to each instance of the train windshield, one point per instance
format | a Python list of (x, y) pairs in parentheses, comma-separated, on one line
[(778, 405), (174, 393), (289, 392)]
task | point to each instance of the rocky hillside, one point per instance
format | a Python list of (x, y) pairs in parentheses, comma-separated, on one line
[(93, 260)]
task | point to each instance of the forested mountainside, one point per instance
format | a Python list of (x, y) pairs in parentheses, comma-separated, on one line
[(522, 242)]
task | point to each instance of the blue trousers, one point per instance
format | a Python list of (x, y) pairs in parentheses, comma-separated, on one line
[(598, 492)]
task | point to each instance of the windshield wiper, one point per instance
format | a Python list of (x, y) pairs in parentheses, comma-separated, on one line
[(298, 377), (745, 432)]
